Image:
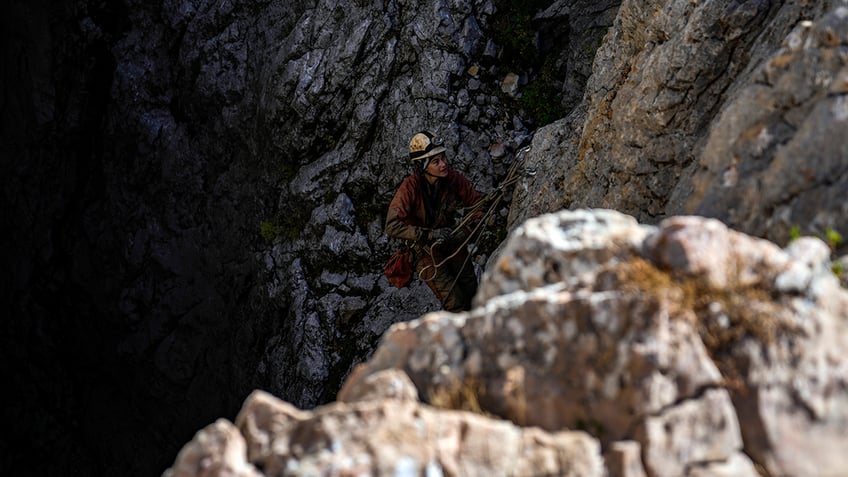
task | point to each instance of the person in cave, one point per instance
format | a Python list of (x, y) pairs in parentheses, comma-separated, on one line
[(423, 212)]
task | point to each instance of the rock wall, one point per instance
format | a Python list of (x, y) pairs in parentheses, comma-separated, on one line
[(195, 192), (728, 110)]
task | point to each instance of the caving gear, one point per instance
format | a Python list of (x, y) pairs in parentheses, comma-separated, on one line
[(449, 273), (398, 269), (440, 235), (423, 214), (419, 208), (423, 146)]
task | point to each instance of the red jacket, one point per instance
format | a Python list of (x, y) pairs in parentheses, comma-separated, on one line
[(412, 214)]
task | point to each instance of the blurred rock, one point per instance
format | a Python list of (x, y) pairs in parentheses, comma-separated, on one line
[(391, 437), (679, 337), (217, 450)]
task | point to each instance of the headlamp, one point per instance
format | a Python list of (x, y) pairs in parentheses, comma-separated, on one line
[(425, 144)]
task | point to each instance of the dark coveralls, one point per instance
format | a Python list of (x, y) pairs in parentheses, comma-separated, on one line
[(419, 207)]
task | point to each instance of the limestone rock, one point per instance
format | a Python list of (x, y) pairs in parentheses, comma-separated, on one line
[(682, 337), (561, 248), (217, 450), (774, 135), (698, 431), (391, 437), (624, 459), (677, 348), (599, 346), (388, 384), (724, 110)]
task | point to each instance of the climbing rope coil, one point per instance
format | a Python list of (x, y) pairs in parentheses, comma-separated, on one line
[(514, 174)]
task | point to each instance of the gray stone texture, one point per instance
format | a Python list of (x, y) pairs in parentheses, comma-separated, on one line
[(730, 110)]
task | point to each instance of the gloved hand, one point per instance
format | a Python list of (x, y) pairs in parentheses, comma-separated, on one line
[(460, 235), (440, 235)]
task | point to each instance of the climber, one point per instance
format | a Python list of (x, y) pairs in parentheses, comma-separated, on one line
[(423, 212)]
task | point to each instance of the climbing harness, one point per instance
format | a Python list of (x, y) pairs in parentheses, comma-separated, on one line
[(494, 198)]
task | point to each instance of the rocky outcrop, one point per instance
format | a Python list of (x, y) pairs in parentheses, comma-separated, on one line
[(722, 109), (396, 437), (681, 349)]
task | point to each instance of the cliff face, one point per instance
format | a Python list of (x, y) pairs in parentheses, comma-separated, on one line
[(195, 190), (729, 110)]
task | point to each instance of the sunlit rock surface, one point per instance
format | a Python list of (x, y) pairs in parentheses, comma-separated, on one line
[(708, 350)]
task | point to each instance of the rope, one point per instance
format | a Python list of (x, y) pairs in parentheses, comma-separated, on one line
[(495, 197)]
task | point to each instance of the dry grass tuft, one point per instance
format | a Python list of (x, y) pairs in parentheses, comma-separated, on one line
[(458, 395), (723, 317)]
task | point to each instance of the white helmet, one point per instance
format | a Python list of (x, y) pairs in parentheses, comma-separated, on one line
[(424, 145)]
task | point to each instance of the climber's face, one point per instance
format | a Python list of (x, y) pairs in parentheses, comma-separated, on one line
[(438, 166)]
